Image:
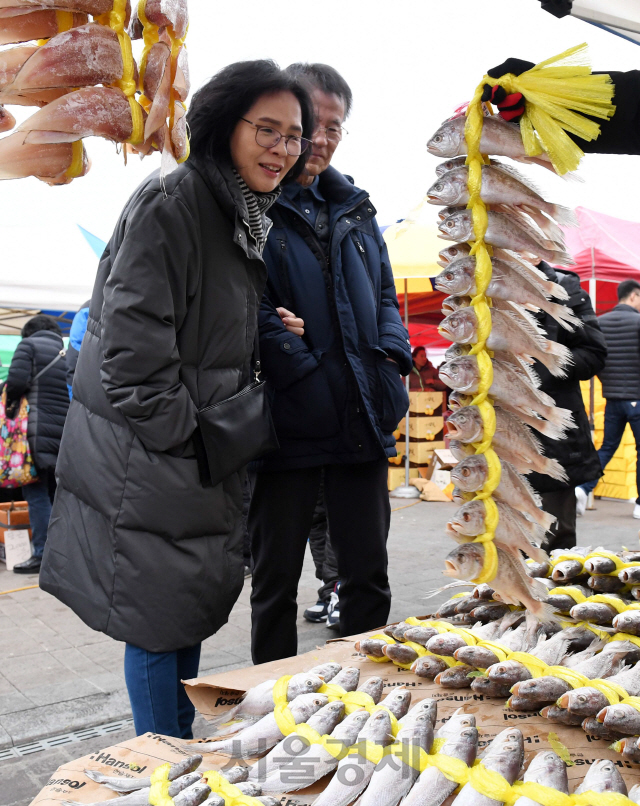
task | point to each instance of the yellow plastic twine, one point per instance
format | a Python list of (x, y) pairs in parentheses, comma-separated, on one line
[(229, 792), (159, 792), (558, 93), (481, 306), (115, 20)]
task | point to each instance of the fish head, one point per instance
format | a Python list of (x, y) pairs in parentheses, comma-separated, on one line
[(464, 745), (566, 570), (548, 763), (457, 277), (460, 449), (469, 518), (327, 671), (464, 562), (508, 738), (398, 702), (377, 728), (373, 687), (616, 716), (603, 776), (450, 188), (328, 716), (303, 683), (466, 424), (448, 139), (461, 326), (457, 226), (505, 672), (453, 252), (454, 303), (470, 475), (458, 400), (348, 678), (455, 351), (305, 705), (461, 374), (449, 165), (458, 496), (445, 212)]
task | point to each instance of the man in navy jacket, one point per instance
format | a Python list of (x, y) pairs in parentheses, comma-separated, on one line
[(337, 394)]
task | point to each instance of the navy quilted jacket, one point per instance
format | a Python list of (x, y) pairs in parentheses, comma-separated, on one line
[(335, 397)]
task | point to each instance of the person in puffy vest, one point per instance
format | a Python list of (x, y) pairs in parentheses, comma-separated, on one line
[(41, 349), (620, 380)]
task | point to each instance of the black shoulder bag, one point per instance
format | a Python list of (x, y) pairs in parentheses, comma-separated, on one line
[(239, 429)]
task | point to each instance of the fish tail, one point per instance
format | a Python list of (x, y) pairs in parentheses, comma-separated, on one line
[(563, 315), (557, 358), (96, 776), (565, 216), (561, 257), (545, 519), (544, 612), (553, 469)]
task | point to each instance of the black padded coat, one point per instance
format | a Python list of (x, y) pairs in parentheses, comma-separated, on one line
[(620, 376), (576, 452), (48, 396), (137, 546)]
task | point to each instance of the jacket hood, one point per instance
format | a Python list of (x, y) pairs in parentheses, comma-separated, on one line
[(336, 188)]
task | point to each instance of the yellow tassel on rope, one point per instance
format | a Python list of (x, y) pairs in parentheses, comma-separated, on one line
[(558, 93)]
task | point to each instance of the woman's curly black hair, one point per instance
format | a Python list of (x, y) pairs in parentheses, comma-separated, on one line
[(40, 322), (217, 107)]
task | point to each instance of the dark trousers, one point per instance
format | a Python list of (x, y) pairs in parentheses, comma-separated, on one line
[(158, 699), (281, 514), (562, 504), (617, 414), (323, 555), (39, 496)]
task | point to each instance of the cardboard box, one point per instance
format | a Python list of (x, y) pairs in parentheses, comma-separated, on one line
[(430, 428), (396, 476), (13, 515), (428, 403), (420, 452)]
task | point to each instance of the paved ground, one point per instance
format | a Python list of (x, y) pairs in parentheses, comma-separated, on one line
[(57, 675)]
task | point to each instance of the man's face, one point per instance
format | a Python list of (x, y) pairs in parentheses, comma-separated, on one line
[(329, 115)]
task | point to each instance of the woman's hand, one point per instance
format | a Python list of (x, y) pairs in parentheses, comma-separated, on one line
[(292, 322)]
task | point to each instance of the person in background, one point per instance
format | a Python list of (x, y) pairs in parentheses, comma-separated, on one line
[(327, 607), (41, 349), (620, 378), (142, 545), (575, 452), (76, 334), (424, 376), (337, 395)]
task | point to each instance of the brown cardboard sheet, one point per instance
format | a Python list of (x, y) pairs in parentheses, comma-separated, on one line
[(216, 693)]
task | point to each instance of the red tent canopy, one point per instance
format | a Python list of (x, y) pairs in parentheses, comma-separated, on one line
[(606, 251)]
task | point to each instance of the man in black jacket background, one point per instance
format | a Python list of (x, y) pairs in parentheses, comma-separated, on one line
[(575, 452), (620, 381)]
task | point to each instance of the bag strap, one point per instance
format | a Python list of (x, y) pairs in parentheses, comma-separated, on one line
[(255, 358), (60, 355)]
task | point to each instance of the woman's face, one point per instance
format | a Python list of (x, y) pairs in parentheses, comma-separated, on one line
[(264, 168)]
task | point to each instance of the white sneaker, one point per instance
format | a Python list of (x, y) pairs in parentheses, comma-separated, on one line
[(636, 512), (581, 502), (333, 611)]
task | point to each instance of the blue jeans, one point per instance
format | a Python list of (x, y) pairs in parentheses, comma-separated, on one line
[(617, 414), (37, 496), (158, 699)]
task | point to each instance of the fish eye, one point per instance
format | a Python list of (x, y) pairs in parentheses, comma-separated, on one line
[(466, 517), (438, 188), (465, 471), (437, 138), (581, 698), (450, 224), (448, 276)]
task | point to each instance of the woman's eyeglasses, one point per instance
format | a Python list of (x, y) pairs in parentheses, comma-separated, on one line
[(268, 137)]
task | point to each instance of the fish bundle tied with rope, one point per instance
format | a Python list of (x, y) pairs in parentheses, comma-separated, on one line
[(503, 227)]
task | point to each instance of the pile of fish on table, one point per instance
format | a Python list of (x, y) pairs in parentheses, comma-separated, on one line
[(82, 75), (522, 229), (291, 764), (477, 641)]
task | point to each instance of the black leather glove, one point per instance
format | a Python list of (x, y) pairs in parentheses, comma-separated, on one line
[(510, 107)]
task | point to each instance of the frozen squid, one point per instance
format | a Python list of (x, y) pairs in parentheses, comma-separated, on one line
[(41, 24), (48, 162), (81, 57), (93, 111)]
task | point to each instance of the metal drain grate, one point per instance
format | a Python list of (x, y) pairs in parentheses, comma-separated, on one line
[(65, 738)]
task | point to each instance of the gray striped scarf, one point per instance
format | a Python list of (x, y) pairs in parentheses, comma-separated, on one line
[(257, 206)]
